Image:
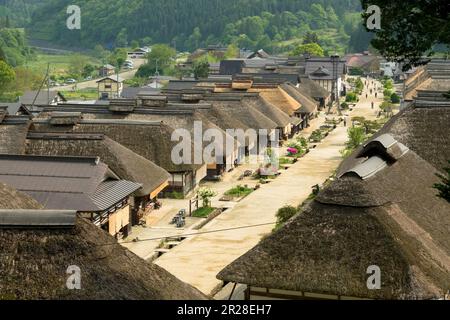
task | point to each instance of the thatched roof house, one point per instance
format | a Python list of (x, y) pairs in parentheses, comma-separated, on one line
[(381, 211), (122, 161), (314, 90), (309, 107), (35, 261), (280, 98), (151, 140), (13, 133), (375, 214)]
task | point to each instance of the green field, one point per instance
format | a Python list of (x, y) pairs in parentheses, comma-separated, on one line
[(82, 94), (59, 63)]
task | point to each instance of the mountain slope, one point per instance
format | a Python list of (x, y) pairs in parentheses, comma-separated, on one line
[(191, 23)]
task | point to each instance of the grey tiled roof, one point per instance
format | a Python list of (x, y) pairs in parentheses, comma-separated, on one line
[(65, 183)]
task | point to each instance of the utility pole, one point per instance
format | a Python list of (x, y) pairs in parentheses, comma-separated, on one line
[(118, 83), (335, 60), (48, 82), (157, 74)]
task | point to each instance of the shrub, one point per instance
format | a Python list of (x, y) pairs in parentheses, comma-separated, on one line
[(388, 93), (285, 213), (351, 97), (239, 191), (395, 98), (206, 194), (316, 136)]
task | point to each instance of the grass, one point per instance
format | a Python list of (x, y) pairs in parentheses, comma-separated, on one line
[(59, 63), (203, 212), (239, 191), (82, 94), (285, 160)]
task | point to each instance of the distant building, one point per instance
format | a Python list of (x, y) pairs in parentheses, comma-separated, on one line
[(328, 72), (363, 64), (110, 87), (106, 70), (140, 53)]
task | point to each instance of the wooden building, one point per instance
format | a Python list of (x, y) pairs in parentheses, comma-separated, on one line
[(85, 185), (110, 87), (380, 212), (38, 246), (123, 162), (149, 139)]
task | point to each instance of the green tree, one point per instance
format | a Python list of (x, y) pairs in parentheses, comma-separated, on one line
[(356, 137), (410, 29), (122, 38), (134, 44), (444, 187), (100, 52), (395, 98), (161, 58), (200, 68), (232, 52), (88, 70), (311, 37), (311, 48), (77, 64), (7, 75), (206, 195)]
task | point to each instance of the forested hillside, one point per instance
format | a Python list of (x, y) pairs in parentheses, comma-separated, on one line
[(14, 47), (271, 24), (16, 13)]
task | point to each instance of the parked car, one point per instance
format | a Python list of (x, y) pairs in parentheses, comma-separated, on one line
[(71, 81)]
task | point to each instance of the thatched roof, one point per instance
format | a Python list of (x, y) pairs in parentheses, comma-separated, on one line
[(12, 199), (151, 140), (269, 110), (393, 220), (34, 265), (279, 98), (308, 104), (250, 117), (312, 89), (13, 135), (426, 131), (122, 161)]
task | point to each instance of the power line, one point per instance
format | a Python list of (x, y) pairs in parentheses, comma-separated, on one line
[(191, 234)]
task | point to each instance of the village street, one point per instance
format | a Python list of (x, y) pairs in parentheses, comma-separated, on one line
[(198, 259)]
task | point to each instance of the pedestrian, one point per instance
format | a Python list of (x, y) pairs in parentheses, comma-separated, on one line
[(376, 94), (373, 105), (345, 122)]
